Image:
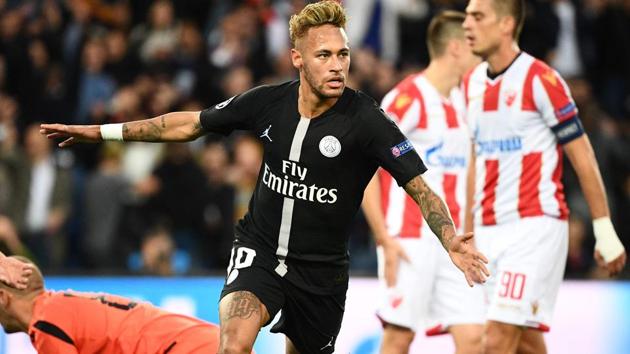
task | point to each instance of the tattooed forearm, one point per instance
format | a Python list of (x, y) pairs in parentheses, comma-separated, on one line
[(144, 130), (433, 210), (243, 305), (175, 126)]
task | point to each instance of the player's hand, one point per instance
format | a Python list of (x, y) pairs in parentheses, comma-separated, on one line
[(613, 267), (393, 252), (15, 273), (71, 133), (609, 251), (468, 259)]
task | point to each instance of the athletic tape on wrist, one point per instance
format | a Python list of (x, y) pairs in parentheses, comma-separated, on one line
[(112, 132), (606, 240)]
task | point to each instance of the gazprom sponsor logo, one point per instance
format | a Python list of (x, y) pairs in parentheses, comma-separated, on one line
[(402, 148), (511, 144), (434, 157)]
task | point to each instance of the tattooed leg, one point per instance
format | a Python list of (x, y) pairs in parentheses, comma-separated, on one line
[(242, 315)]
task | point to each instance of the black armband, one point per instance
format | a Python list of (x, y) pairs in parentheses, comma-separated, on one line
[(568, 130)]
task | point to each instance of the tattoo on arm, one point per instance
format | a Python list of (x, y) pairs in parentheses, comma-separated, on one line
[(433, 210), (242, 305), (163, 121), (146, 130)]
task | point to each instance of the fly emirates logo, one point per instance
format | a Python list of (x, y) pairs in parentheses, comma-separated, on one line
[(297, 190)]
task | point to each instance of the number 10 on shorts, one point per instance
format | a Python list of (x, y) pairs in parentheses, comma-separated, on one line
[(512, 285), (243, 258)]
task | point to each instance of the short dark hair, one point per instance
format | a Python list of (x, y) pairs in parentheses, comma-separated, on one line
[(443, 27), (514, 8)]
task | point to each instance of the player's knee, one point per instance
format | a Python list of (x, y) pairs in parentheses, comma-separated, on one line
[(500, 339), (469, 344), (532, 342), (235, 347), (395, 345), (396, 339), (494, 345), (234, 342), (467, 338)]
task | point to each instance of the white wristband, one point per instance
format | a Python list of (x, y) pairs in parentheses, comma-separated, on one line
[(606, 240), (112, 132)]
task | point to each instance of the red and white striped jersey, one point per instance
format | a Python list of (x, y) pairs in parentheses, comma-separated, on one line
[(518, 121), (436, 128)]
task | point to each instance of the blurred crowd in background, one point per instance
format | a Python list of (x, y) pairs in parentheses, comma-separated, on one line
[(170, 208)]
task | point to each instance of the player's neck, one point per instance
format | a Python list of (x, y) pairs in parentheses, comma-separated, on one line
[(503, 57), (442, 75), (23, 311), (310, 105)]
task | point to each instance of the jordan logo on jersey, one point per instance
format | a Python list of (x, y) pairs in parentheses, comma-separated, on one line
[(330, 343), (265, 133)]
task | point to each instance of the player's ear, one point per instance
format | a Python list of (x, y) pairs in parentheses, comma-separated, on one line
[(454, 48), (296, 58), (5, 298), (507, 25)]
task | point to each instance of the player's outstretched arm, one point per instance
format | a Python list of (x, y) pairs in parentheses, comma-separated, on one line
[(392, 249), (176, 126), (460, 249), (609, 251)]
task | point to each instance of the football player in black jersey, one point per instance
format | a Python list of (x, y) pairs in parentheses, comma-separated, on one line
[(322, 144)]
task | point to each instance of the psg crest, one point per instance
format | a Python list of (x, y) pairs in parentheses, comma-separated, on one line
[(329, 146)]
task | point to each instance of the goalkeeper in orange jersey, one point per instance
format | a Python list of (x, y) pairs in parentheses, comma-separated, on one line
[(69, 322)]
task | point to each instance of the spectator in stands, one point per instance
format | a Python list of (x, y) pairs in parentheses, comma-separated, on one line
[(107, 192), (157, 252), (218, 210), (40, 197)]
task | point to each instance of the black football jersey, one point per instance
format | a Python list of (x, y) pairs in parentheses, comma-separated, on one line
[(314, 171)]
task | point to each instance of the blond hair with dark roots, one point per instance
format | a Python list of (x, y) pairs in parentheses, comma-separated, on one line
[(443, 27), (315, 15)]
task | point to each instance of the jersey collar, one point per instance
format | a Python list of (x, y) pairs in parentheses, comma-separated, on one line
[(493, 76)]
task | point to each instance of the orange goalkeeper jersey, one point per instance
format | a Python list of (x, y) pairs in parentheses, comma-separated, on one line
[(84, 323)]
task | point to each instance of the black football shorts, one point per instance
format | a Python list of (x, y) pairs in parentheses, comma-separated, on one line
[(311, 321)]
